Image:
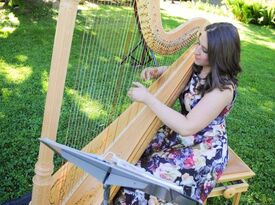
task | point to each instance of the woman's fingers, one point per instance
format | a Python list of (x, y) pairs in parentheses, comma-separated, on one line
[(129, 93), (139, 85), (148, 73), (154, 73), (144, 74)]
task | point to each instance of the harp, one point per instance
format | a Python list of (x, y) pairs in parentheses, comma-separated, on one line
[(128, 134)]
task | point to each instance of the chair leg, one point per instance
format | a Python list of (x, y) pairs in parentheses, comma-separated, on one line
[(236, 199)]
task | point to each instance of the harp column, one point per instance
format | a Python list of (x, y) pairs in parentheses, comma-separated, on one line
[(42, 181)]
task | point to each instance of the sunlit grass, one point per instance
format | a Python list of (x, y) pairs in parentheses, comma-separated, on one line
[(254, 37), (44, 81), (21, 58), (15, 74), (91, 108), (88, 5), (268, 106), (2, 115)]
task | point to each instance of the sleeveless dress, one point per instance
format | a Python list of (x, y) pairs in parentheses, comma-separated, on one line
[(193, 162)]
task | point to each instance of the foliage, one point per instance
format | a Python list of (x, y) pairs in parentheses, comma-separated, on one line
[(254, 12), (15, 3), (25, 57), (207, 7), (22, 4)]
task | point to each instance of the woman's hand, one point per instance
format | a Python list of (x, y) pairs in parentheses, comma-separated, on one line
[(139, 93), (152, 72)]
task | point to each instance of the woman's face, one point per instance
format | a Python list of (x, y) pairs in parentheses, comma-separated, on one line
[(201, 52)]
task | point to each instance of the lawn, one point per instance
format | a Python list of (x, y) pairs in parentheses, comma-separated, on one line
[(26, 39)]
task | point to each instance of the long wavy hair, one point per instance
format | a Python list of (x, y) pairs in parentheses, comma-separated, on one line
[(223, 56)]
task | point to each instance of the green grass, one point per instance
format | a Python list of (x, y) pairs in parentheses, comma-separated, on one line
[(26, 40)]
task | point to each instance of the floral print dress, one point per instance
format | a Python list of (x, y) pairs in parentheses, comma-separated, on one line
[(194, 162)]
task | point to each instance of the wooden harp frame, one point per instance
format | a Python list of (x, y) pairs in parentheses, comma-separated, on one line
[(65, 188)]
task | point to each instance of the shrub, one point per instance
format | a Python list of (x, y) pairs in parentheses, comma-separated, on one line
[(256, 12), (14, 3)]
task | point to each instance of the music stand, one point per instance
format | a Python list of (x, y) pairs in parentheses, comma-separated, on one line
[(111, 173)]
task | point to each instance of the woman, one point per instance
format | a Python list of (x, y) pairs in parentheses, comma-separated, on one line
[(191, 149)]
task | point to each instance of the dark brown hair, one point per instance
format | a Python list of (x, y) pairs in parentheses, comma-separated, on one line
[(223, 56)]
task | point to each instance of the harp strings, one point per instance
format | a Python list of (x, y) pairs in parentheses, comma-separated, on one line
[(98, 74), (99, 93)]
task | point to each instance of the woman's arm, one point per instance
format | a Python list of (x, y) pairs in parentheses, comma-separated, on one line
[(209, 107)]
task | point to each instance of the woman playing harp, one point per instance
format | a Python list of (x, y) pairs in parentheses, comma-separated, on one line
[(191, 148)]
